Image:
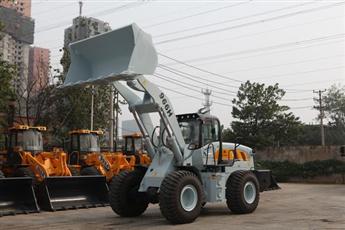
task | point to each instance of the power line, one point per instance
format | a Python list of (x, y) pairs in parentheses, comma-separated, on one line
[(230, 20), (53, 9), (197, 14), (298, 99), (286, 64), (262, 49), (267, 53), (211, 42), (313, 82), (200, 69), (196, 78), (103, 12), (165, 78), (191, 96), (302, 107), (302, 72), (249, 23)]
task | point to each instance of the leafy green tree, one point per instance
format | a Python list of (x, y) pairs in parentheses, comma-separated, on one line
[(260, 120), (7, 74), (70, 108), (334, 108)]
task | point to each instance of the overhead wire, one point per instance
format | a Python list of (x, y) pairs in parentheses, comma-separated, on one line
[(249, 23), (198, 78), (197, 14), (231, 20)]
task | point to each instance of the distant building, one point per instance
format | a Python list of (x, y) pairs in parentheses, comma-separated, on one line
[(39, 59), (17, 35), (21, 6), (84, 27)]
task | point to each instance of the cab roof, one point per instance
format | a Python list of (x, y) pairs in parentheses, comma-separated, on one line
[(135, 135), (86, 131), (27, 127)]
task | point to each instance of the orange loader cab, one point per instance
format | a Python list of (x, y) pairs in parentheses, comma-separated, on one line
[(26, 157), (85, 156)]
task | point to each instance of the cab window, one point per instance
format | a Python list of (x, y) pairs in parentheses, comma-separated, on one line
[(210, 131)]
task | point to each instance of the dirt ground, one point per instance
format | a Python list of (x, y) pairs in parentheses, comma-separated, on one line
[(295, 206)]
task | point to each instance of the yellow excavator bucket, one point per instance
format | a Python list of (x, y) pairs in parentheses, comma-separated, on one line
[(116, 55)]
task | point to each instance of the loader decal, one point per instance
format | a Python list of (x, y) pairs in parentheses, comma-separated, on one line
[(104, 163), (166, 105)]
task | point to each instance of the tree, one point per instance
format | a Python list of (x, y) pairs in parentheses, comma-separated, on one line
[(7, 74), (260, 120), (70, 108), (334, 108)]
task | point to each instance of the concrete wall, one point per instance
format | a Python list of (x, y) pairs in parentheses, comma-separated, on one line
[(300, 154)]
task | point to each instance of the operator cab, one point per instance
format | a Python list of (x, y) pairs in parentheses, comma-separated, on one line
[(133, 144), (83, 142), (24, 138), (199, 130)]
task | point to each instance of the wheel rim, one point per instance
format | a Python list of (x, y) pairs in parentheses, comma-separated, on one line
[(189, 198), (249, 192)]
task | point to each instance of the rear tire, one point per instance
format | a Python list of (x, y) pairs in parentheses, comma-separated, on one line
[(242, 192), (89, 171), (181, 196), (124, 198)]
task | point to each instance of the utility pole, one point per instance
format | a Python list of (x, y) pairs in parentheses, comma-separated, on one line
[(319, 92), (111, 131), (116, 118), (207, 104), (80, 8), (92, 105)]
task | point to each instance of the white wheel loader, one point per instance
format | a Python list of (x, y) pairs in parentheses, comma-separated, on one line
[(190, 164)]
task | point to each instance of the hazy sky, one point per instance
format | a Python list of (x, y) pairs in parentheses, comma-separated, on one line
[(298, 44)]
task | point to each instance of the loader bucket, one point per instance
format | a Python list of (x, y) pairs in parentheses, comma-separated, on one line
[(62, 193), (120, 54), (266, 180), (17, 196)]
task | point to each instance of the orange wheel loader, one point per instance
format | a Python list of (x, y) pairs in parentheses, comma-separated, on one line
[(53, 183), (86, 158)]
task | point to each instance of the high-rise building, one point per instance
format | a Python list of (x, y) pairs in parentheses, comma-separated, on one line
[(84, 27), (17, 35), (39, 59), (21, 6)]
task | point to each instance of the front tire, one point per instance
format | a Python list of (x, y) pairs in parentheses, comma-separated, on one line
[(242, 192), (180, 197), (124, 198)]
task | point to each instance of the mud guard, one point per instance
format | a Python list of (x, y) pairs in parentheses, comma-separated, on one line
[(17, 196), (62, 193), (266, 180)]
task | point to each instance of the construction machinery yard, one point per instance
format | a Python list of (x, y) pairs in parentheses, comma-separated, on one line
[(178, 171), (295, 206)]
